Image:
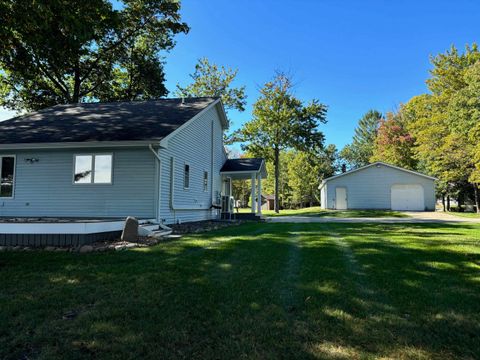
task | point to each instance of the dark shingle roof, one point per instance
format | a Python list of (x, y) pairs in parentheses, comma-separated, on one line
[(233, 165), (120, 121)]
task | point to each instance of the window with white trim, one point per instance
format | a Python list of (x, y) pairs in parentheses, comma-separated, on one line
[(205, 181), (7, 176), (93, 169), (186, 176)]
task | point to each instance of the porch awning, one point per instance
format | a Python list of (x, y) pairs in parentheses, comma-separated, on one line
[(244, 168)]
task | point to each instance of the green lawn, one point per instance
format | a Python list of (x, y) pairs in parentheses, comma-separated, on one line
[(258, 291), (317, 211), (465, 214)]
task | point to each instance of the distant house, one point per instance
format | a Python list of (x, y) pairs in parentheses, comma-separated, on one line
[(268, 202), (379, 186), (161, 161)]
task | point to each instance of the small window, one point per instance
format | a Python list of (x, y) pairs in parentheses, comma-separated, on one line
[(103, 169), (7, 174), (186, 176), (205, 181), (93, 169)]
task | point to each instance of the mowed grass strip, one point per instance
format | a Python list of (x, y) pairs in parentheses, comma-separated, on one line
[(330, 291), (471, 215), (316, 211)]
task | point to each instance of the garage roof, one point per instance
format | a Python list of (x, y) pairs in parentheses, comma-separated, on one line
[(378, 163)]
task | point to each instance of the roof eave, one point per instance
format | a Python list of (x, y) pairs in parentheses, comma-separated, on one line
[(165, 140), (223, 114), (83, 144), (379, 163)]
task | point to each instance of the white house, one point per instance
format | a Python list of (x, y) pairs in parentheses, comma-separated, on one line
[(161, 161), (379, 186)]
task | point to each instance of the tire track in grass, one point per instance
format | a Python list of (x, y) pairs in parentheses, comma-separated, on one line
[(375, 301), (288, 291), (352, 265), (381, 317), (248, 312)]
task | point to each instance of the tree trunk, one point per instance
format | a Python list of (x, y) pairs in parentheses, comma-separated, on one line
[(460, 202), (477, 197), (443, 203), (448, 202), (277, 176)]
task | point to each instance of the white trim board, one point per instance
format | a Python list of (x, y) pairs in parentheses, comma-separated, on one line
[(61, 228)]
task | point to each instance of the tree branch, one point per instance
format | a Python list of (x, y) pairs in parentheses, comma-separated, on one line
[(57, 83), (114, 46)]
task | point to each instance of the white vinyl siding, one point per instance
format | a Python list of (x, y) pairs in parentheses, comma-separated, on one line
[(193, 145), (45, 187)]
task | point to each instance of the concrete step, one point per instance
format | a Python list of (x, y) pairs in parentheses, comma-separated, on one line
[(149, 226), (160, 233)]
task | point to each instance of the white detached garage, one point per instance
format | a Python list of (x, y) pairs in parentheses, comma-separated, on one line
[(379, 186)]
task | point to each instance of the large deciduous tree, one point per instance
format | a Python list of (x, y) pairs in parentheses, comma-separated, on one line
[(282, 121), (359, 152), (209, 79), (446, 123), (60, 51), (394, 144)]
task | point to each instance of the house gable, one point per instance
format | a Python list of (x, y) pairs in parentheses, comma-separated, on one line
[(199, 143), (376, 164)]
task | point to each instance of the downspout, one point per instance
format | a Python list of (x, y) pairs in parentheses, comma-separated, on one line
[(154, 152), (160, 225), (172, 188), (211, 170), (159, 184)]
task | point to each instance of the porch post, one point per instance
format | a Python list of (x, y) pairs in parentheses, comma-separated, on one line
[(253, 193), (259, 204)]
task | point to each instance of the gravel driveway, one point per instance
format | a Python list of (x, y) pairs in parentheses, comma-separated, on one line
[(414, 217)]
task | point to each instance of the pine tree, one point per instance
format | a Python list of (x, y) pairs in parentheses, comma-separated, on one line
[(359, 152)]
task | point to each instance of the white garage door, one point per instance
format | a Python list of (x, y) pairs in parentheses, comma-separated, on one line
[(408, 197)]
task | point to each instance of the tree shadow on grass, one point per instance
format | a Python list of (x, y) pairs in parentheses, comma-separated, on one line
[(410, 295), (237, 293)]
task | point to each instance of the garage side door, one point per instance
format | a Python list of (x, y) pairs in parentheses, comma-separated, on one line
[(407, 197)]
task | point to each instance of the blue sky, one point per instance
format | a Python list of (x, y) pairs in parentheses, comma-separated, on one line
[(350, 55)]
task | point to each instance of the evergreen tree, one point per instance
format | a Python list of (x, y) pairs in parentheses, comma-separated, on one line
[(359, 152)]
